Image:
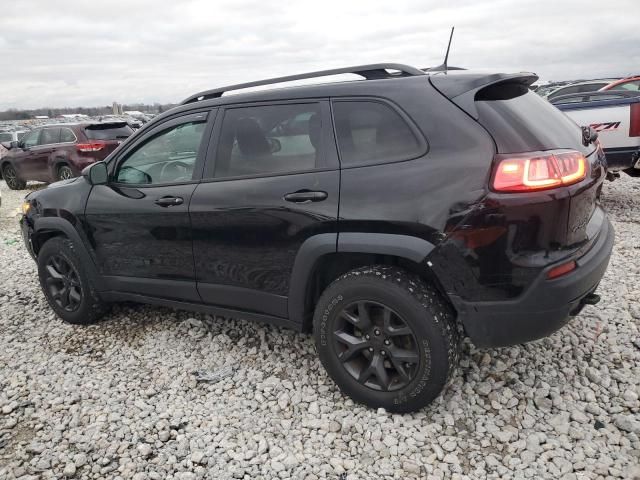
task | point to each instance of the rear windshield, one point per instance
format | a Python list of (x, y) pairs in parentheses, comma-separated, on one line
[(528, 123), (108, 131)]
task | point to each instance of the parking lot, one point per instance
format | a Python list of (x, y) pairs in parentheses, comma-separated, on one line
[(120, 398)]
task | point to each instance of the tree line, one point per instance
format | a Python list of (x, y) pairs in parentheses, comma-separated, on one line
[(25, 114)]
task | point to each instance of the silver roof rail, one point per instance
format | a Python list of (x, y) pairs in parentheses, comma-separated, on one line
[(369, 72)]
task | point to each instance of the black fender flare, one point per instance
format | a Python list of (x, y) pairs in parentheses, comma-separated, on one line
[(57, 224), (404, 246)]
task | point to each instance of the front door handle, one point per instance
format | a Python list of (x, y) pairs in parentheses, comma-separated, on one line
[(169, 201), (305, 196)]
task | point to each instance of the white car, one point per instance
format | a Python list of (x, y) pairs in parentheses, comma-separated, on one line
[(615, 115), (10, 136)]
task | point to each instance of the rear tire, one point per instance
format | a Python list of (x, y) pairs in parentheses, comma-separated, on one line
[(65, 172), (66, 285), (386, 338), (11, 178)]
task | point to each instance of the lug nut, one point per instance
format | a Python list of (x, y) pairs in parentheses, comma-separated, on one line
[(367, 336), (376, 331), (383, 353), (371, 349), (387, 342)]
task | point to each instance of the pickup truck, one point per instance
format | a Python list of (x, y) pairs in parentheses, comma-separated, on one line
[(615, 115)]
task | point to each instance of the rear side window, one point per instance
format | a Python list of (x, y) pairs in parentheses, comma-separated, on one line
[(67, 135), (269, 139), (49, 136), (372, 132), (5, 137), (108, 131)]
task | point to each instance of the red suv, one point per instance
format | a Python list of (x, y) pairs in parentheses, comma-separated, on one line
[(59, 152)]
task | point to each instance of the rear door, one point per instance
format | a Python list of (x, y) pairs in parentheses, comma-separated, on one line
[(138, 224), (271, 181)]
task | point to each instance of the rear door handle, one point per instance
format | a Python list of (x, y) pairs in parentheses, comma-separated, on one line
[(169, 201), (305, 196)]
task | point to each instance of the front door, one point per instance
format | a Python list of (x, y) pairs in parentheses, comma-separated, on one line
[(138, 224), (38, 160), (24, 158), (271, 181)]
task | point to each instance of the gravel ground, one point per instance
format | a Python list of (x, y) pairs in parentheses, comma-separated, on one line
[(120, 399)]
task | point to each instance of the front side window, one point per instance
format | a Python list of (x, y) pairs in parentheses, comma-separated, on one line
[(31, 139), (269, 139), (372, 132), (168, 157), (5, 137)]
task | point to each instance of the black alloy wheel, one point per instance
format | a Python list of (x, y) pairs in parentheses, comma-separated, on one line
[(63, 283), (376, 346)]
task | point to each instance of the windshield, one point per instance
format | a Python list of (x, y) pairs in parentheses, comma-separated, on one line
[(108, 131)]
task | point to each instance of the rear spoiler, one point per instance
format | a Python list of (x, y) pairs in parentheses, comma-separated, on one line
[(464, 90)]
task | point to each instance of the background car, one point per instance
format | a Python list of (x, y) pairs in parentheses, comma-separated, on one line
[(631, 84), (6, 138), (580, 87), (615, 115), (60, 151)]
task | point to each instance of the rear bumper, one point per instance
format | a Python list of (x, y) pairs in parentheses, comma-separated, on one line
[(544, 307)]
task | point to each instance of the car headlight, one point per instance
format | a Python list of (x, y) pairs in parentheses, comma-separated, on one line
[(26, 206)]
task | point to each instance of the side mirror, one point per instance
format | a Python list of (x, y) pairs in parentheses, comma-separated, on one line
[(96, 174)]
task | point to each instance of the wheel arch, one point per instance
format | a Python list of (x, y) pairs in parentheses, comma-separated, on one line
[(57, 161), (47, 228), (324, 257)]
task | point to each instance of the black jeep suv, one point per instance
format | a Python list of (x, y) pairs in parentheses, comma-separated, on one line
[(388, 215)]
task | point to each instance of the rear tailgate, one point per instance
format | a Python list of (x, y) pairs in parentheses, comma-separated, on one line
[(520, 122), (111, 134)]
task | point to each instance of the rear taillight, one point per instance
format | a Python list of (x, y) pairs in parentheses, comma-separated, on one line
[(90, 147), (525, 172), (634, 121)]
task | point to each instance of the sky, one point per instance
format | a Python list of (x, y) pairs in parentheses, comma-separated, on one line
[(67, 53)]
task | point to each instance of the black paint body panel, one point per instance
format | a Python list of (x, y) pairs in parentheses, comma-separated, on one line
[(236, 244)]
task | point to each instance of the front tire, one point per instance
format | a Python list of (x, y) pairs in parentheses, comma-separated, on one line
[(386, 338), (11, 178), (67, 287)]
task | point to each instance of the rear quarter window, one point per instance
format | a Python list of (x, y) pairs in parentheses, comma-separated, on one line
[(370, 132), (527, 123), (108, 131)]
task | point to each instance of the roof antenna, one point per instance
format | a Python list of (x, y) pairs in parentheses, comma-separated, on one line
[(444, 67)]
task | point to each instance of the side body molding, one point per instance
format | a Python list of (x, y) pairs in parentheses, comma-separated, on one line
[(404, 246), (57, 224)]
